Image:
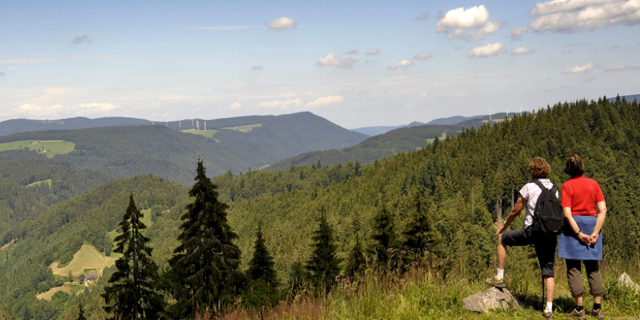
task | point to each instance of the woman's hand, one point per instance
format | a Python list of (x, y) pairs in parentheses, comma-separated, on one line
[(593, 238), (501, 229), (584, 238)]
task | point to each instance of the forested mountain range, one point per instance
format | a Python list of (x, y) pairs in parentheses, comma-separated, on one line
[(22, 125), (236, 145), (459, 181), (373, 131)]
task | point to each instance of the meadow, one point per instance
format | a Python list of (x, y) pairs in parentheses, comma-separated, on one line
[(48, 147)]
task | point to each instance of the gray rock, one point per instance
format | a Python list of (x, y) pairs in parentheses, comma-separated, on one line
[(626, 281), (493, 298)]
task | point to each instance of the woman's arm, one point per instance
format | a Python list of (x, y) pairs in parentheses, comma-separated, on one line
[(602, 214), (574, 226), (515, 211)]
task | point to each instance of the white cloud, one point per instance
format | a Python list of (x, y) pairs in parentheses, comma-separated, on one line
[(373, 52), (351, 52), (13, 68), (28, 60), (455, 23), (325, 100), (235, 105), (81, 39), (488, 50), (282, 23), (2, 73), (522, 50), (516, 34), (581, 69), (282, 104), (333, 60), (404, 63), (578, 15), (258, 68), (622, 68), (422, 56), (58, 110)]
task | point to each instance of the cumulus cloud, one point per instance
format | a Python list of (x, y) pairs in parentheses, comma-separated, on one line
[(222, 28), (458, 22), (235, 105), (522, 50), (282, 23), (282, 104), (404, 63), (581, 69), (81, 39), (333, 60), (422, 56), (516, 34), (423, 16), (578, 15), (491, 49), (257, 68), (373, 52), (325, 100), (622, 68)]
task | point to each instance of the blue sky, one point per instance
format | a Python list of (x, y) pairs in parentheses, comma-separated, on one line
[(356, 63)]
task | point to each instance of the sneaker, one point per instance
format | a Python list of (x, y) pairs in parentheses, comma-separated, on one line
[(597, 313), (494, 281), (575, 314), (547, 315)]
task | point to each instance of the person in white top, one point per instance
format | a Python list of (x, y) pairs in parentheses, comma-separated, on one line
[(545, 246)]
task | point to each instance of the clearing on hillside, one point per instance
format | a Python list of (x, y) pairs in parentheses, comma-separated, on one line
[(48, 147), (441, 137), (247, 128), (207, 133), (87, 258), (37, 183), (47, 295)]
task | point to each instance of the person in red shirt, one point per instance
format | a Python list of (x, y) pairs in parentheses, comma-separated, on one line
[(584, 210)]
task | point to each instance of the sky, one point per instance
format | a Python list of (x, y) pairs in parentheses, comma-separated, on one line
[(355, 63)]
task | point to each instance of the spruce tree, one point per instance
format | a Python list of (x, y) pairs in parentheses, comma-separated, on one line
[(418, 235), (383, 236), (261, 266), (357, 260), (206, 260), (323, 265), (131, 292)]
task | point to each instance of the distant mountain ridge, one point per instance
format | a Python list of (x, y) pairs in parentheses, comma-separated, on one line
[(373, 131)]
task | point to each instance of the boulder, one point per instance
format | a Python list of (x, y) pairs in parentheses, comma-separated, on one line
[(626, 281), (493, 298)]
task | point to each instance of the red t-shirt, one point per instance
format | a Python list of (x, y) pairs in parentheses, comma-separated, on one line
[(581, 195)]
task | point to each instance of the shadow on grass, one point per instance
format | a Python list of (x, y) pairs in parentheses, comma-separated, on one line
[(561, 304)]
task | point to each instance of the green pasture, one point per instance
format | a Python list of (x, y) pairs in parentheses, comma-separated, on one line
[(441, 137), (86, 259), (206, 133), (247, 128), (37, 183), (48, 147)]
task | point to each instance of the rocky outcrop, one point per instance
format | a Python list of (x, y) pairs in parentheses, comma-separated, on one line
[(626, 281), (493, 298)]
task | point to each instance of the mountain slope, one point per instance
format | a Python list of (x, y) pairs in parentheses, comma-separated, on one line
[(22, 125)]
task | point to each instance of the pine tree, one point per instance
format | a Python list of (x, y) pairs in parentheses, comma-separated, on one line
[(357, 260), (383, 236), (131, 292), (323, 265), (418, 235), (81, 314), (206, 260), (261, 266)]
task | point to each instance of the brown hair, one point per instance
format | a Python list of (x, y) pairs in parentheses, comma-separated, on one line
[(574, 166), (539, 168)]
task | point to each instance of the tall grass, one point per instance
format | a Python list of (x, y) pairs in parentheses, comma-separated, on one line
[(424, 294)]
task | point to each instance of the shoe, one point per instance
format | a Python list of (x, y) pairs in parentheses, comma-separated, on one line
[(494, 281), (547, 315), (582, 315), (597, 314)]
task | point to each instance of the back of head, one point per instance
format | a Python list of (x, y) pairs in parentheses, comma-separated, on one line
[(574, 166), (539, 168)]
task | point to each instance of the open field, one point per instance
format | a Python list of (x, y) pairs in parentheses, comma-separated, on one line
[(441, 137), (37, 183), (87, 258), (48, 147), (206, 133), (247, 128), (47, 295)]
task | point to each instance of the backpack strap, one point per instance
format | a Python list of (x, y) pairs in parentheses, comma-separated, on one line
[(553, 188)]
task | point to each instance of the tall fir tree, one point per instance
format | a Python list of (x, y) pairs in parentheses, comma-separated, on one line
[(131, 292), (323, 265), (418, 236), (261, 266), (383, 236), (206, 261), (356, 262)]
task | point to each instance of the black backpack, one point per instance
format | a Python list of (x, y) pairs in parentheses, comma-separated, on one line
[(548, 218)]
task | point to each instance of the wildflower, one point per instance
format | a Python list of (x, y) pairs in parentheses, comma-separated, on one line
[(338, 278), (403, 252), (389, 250)]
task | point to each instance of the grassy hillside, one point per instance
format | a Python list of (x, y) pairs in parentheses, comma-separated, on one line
[(22, 125), (49, 148)]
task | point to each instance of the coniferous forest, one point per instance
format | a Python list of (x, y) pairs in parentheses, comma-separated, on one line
[(253, 244)]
